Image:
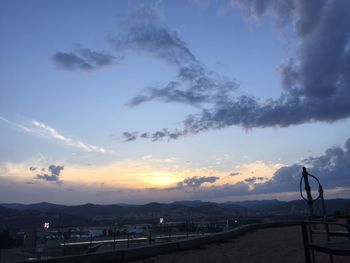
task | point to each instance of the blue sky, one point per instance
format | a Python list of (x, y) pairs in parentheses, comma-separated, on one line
[(137, 101)]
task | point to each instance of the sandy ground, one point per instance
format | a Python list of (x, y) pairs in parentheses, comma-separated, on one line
[(280, 245)]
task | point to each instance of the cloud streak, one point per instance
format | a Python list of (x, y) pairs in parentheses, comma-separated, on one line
[(16, 125), (46, 131)]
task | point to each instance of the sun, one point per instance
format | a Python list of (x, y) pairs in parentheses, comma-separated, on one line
[(161, 179)]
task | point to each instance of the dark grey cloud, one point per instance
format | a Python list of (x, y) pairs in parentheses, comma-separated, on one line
[(316, 82), (142, 31), (194, 85), (33, 168), (53, 176), (195, 181), (198, 181), (233, 174), (83, 59), (156, 136), (254, 179), (130, 136), (332, 168)]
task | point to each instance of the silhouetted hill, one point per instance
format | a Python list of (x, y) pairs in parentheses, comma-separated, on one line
[(63, 215), (43, 206), (14, 218), (258, 205), (194, 203)]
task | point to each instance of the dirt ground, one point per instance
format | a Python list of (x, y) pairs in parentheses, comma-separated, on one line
[(280, 245)]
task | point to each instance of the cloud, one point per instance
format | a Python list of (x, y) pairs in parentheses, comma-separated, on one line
[(83, 59), (198, 181), (233, 174), (144, 32), (315, 83), (194, 85), (254, 179), (156, 136), (55, 171), (195, 181), (16, 125), (332, 169), (47, 131), (130, 136), (43, 130), (33, 168)]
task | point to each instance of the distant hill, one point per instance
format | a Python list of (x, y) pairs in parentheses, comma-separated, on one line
[(194, 203), (43, 206), (12, 215), (258, 205)]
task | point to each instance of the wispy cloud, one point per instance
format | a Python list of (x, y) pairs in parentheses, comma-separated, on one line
[(46, 131), (144, 32), (16, 125)]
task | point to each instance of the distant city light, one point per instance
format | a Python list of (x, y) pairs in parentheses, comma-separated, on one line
[(46, 225), (161, 220)]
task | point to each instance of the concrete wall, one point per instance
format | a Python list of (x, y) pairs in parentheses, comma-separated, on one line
[(156, 249)]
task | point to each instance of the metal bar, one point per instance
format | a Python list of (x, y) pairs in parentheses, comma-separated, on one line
[(308, 192), (305, 241)]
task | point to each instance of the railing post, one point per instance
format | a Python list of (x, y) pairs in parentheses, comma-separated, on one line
[(306, 242), (114, 240), (64, 245)]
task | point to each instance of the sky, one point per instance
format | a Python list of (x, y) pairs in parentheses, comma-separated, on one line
[(157, 101)]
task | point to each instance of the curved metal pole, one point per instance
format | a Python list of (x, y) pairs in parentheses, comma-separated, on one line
[(310, 201), (308, 192)]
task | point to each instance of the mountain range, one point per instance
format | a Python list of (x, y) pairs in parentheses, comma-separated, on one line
[(25, 215)]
